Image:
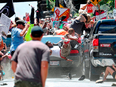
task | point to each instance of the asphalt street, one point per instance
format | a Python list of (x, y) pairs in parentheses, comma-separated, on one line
[(65, 82)]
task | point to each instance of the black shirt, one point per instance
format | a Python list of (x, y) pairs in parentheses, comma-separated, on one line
[(78, 26)]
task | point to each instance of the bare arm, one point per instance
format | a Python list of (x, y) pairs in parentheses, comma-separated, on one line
[(4, 56), (24, 30), (71, 38), (44, 72), (14, 66), (83, 8)]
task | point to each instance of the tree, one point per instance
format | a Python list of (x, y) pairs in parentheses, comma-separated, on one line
[(110, 3)]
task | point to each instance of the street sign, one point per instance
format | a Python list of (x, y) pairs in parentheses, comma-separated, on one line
[(95, 2), (103, 15), (114, 13)]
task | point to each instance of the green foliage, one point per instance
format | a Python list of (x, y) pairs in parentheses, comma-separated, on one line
[(110, 3), (76, 14)]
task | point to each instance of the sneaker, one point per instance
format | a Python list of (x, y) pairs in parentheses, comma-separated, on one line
[(100, 81), (113, 84), (3, 84), (82, 77)]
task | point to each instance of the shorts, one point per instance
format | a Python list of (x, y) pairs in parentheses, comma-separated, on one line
[(114, 73), (12, 52)]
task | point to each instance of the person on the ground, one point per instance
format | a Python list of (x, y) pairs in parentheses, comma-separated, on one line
[(109, 70), (30, 61), (55, 50), (17, 35)]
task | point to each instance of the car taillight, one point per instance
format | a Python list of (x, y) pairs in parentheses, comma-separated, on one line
[(95, 42), (74, 51)]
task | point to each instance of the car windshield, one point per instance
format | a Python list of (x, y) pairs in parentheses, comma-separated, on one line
[(107, 28), (52, 39)]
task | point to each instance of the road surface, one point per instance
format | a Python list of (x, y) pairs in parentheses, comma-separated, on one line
[(65, 82)]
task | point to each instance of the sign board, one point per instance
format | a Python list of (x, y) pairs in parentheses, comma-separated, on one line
[(5, 21), (101, 16), (27, 17), (90, 8), (114, 13), (95, 2)]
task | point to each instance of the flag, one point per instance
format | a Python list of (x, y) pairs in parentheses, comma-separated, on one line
[(64, 4), (27, 36), (32, 15), (37, 16), (57, 3), (8, 9), (60, 12), (27, 17)]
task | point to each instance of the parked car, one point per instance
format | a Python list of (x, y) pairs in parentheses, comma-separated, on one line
[(101, 43), (59, 66)]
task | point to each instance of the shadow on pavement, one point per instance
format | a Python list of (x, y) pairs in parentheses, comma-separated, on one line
[(6, 63)]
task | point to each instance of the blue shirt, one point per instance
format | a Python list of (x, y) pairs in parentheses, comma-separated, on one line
[(16, 39)]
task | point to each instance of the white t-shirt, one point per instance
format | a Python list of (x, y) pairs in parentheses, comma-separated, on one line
[(55, 51)]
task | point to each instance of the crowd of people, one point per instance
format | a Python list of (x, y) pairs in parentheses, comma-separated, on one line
[(30, 59)]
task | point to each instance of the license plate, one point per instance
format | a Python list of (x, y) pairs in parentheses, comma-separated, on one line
[(105, 45), (57, 63)]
